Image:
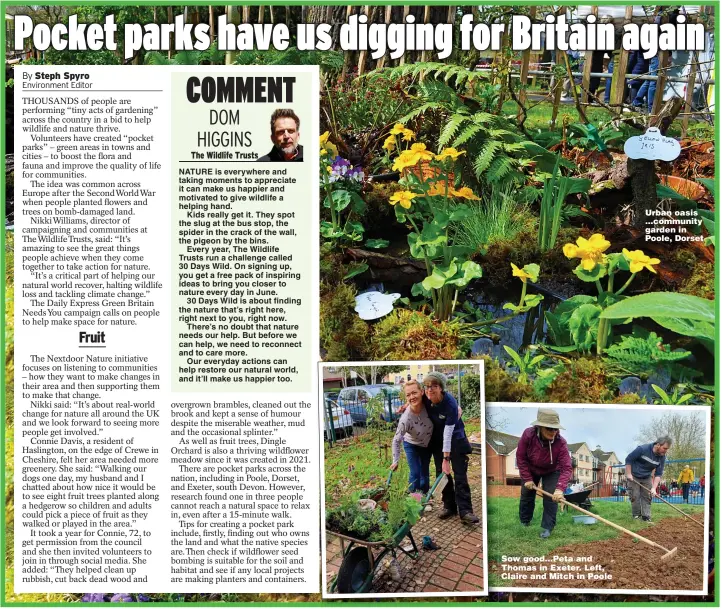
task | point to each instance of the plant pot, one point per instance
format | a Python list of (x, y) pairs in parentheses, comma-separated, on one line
[(425, 171), (686, 188)]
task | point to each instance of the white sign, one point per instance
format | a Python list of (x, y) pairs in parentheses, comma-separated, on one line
[(652, 146), (372, 305)]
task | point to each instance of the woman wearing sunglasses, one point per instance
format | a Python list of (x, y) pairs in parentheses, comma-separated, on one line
[(543, 459)]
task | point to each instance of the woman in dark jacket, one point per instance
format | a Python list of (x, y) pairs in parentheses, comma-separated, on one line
[(542, 456)]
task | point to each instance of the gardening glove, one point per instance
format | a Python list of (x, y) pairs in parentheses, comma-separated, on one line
[(394, 467), (558, 496), (529, 485)]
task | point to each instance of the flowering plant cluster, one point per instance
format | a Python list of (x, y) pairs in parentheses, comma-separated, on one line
[(341, 183), (578, 321), (431, 206)]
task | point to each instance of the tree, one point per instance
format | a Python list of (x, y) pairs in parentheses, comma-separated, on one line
[(688, 433)]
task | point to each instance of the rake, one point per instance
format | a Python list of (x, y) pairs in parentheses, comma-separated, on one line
[(668, 503), (665, 557)]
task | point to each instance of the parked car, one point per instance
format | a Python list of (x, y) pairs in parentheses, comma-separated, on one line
[(342, 421), (355, 399)]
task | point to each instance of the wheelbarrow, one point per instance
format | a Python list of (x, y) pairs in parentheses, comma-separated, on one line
[(361, 558)]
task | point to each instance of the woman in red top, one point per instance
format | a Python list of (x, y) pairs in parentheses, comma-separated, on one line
[(543, 459)]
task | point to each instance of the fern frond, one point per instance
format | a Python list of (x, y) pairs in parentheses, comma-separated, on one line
[(486, 156), (422, 109), (449, 130), (499, 169), (467, 134)]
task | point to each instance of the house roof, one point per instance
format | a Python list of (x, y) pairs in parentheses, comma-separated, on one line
[(602, 455), (501, 443), (575, 447)]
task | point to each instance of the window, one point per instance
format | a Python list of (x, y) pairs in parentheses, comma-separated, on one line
[(420, 377), (398, 379)]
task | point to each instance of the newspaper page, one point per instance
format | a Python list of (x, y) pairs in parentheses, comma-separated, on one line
[(266, 265), (164, 350)]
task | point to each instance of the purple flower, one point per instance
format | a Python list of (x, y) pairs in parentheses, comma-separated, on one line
[(122, 598), (93, 598), (341, 169), (143, 598)]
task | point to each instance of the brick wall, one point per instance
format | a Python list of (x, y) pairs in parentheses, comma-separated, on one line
[(497, 490)]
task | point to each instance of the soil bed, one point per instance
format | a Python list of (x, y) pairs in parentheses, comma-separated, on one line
[(634, 566)]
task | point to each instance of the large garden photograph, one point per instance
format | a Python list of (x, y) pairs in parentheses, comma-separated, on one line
[(488, 206)]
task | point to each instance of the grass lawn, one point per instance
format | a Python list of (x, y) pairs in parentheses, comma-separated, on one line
[(540, 115), (508, 536)]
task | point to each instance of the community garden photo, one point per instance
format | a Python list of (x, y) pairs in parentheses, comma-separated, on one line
[(598, 498), (404, 501), (504, 205)]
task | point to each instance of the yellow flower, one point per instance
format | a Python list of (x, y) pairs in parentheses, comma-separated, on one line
[(410, 157), (399, 129), (420, 149), (638, 260), (449, 153), (326, 146), (389, 143), (438, 188), (404, 160), (408, 135), (403, 198), (520, 273), (465, 193), (589, 251)]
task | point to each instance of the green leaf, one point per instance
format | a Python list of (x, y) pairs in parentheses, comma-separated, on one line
[(440, 275), (416, 250), (663, 304), (662, 394), (570, 304), (469, 270), (532, 300), (592, 276), (707, 183), (341, 199), (617, 261), (441, 221), (376, 243), (356, 227), (515, 356), (701, 330), (356, 269), (418, 290), (459, 213), (329, 232), (432, 234), (583, 325), (557, 333), (400, 214), (665, 192), (359, 205), (533, 270)]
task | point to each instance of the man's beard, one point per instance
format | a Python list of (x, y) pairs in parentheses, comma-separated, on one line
[(289, 150)]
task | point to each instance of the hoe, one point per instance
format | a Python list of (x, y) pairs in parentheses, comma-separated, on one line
[(665, 557)]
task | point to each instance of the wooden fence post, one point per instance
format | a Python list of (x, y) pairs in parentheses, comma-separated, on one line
[(523, 80), (620, 68)]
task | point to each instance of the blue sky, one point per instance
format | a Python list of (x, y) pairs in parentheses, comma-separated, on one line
[(612, 427)]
